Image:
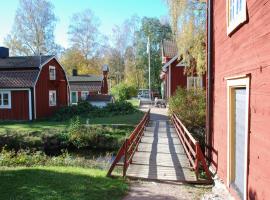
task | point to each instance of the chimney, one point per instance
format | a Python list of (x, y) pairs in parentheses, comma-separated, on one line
[(104, 88), (4, 52), (74, 72)]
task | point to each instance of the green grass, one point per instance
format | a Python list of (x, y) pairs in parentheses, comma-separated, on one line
[(57, 183), (135, 102), (131, 119)]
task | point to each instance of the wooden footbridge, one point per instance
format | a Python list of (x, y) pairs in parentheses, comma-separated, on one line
[(160, 149)]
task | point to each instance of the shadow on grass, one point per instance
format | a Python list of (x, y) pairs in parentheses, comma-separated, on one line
[(59, 183)]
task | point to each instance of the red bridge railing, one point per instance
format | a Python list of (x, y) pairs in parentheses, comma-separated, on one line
[(192, 148), (129, 147)]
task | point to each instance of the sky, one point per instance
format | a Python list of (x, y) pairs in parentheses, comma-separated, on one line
[(109, 12)]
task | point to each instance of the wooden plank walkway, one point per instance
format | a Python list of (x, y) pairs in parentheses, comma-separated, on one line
[(160, 155)]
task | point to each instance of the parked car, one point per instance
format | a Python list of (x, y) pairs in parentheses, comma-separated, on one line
[(143, 94)]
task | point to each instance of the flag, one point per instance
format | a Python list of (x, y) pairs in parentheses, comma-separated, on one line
[(148, 46)]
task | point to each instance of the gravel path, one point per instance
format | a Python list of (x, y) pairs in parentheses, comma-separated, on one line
[(140, 190)]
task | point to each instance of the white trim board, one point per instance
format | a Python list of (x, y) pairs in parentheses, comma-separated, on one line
[(232, 84)]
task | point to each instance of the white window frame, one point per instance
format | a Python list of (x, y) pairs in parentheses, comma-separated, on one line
[(84, 92), (194, 78), (233, 83), (240, 15), (52, 76), (72, 103), (2, 106), (51, 104)]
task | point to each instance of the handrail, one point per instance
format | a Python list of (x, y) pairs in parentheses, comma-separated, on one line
[(130, 146), (192, 147)]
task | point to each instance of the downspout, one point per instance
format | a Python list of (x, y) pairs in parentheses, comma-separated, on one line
[(210, 78)]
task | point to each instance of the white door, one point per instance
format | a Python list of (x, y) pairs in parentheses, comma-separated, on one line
[(240, 140)]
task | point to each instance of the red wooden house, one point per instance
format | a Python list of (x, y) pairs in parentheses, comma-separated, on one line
[(82, 86), (173, 72), (239, 95), (31, 87)]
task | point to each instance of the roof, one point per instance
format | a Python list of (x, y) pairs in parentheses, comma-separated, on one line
[(165, 67), (169, 49), (86, 86), (18, 78), (22, 62), (85, 78), (100, 97)]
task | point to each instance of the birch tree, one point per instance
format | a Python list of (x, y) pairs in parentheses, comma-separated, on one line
[(84, 34), (33, 29)]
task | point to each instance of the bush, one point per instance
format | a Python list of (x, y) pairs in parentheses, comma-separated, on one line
[(122, 92), (190, 106), (120, 108), (11, 158), (95, 137), (84, 109)]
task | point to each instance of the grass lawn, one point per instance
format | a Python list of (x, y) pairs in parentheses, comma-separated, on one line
[(57, 183), (135, 102), (131, 119)]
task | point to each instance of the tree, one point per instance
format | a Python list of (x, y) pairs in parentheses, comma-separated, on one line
[(188, 18), (74, 59), (156, 31), (84, 34), (33, 29)]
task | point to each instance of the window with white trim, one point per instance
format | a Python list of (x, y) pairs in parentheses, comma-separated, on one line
[(5, 99), (52, 72), (84, 95), (74, 97), (52, 98), (194, 82), (236, 14)]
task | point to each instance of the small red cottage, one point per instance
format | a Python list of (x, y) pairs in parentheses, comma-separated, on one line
[(239, 95), (31, 87), (173, 72), (82, 86)]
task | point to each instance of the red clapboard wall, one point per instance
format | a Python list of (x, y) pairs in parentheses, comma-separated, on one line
[(19, 107), (246, 51), (44, 85)]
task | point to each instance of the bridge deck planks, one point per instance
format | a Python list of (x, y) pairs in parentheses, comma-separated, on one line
[(160, 155)]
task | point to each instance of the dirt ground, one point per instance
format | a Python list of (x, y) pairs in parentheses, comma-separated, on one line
[(141, 190)]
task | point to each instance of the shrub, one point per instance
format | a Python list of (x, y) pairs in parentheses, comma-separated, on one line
[(190, 106), (26, 157), (84, 109), (95, 137), (120, 108), (122, 92)]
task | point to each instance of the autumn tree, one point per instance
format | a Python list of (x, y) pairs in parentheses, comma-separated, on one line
[(33, 29), (188, 19)]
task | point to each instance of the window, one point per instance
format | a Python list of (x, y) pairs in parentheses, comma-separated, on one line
[(5, 99), (194, 82), (52, 98), (236, 14), (52, 72), (84, 95), (74, 97)]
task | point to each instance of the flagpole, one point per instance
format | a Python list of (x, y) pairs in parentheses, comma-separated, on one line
[(149, 67)]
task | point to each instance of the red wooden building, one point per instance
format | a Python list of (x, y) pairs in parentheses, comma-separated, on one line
[(82, 86), (173, 72), (239, 95), (31, 87)]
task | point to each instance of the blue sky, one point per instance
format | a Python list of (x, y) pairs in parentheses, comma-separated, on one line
[(110, 13)]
